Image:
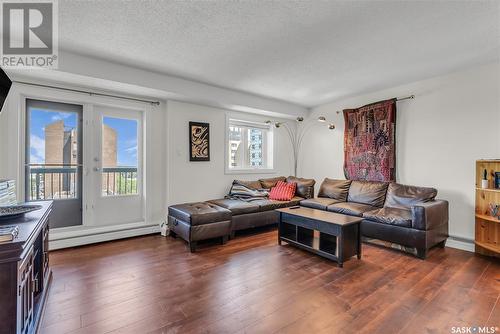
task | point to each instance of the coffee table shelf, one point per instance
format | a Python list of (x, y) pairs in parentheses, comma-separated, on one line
[(330, 235)]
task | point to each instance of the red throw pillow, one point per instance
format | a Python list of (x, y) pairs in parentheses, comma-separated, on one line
[(283, 191)]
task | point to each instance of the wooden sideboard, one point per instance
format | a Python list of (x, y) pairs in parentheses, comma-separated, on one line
[(24, 272)]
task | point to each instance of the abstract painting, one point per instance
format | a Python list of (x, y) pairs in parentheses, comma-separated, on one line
[(370, 142), (199, 141)]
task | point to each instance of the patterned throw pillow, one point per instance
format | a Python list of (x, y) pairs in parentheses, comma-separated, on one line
[(283, 191)]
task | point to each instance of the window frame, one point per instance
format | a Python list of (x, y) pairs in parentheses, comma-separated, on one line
[(267, 144)]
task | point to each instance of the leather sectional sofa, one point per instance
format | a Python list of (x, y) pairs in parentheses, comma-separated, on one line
[(221, 218), (402, 214)]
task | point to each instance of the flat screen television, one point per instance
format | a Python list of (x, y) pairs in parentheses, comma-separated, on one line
[(5, 84)]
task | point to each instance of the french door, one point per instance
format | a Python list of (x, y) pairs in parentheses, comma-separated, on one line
[(116, 166), (87, 159)]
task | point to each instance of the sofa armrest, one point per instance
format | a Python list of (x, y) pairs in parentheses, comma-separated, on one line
[(426, 216)]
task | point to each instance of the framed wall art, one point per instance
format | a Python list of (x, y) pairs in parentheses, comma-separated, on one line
[(199, 141)]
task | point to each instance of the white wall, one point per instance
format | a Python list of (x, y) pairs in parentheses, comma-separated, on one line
[(453, 121), (198, 181)]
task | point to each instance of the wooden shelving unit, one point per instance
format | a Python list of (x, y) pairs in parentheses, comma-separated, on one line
[(487, 238), (488, 246), (490, 190)]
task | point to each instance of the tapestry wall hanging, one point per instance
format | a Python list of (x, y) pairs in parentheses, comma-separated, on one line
[(199, 141), (370, 142)]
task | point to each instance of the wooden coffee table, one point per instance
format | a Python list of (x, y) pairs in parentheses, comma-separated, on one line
[(332, 235)]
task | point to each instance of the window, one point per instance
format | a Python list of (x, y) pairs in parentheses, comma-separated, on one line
[(249, 146)]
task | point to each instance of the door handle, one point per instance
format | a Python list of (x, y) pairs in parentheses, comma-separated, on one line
[(96, 169)]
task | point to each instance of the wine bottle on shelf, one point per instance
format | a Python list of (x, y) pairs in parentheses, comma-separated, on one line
[(484, 181)]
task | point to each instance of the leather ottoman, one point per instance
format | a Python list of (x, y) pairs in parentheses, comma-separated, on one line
[(199, 221)]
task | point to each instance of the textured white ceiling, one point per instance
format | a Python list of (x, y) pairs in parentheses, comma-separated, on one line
[(306, 52)]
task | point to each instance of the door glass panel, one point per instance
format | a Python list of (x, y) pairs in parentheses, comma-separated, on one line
[(53, 157), (53, 154), (119, 156)]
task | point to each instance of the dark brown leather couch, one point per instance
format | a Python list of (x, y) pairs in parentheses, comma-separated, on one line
[(257, 213), (223, 217), (402, 214)]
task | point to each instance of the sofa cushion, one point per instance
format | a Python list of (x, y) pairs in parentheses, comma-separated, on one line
[(237, 207), (350, 208), (403, 196), (305, 187), (318, 202), (199, 213), (336, 189), (391, 216), (283, 191), (269, 204), (368, 192), (271, 182), (250, 184)]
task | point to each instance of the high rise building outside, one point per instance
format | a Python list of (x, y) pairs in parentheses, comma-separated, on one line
[(255, 148), (61, 153)]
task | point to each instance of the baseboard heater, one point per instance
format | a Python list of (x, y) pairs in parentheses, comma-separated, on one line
[(89, 237)]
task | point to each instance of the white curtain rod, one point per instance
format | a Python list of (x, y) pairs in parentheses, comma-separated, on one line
[(88, 92)]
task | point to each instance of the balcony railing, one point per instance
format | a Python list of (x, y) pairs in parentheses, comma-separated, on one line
[(47, 182), (119, 181), (52, 183)]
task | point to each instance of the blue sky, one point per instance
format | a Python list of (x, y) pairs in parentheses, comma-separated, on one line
[(126, 131)]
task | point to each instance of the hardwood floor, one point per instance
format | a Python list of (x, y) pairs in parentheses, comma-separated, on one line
[(252, 285)]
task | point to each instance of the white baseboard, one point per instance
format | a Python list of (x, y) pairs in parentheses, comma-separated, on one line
[(460, 243), (91, 236)]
